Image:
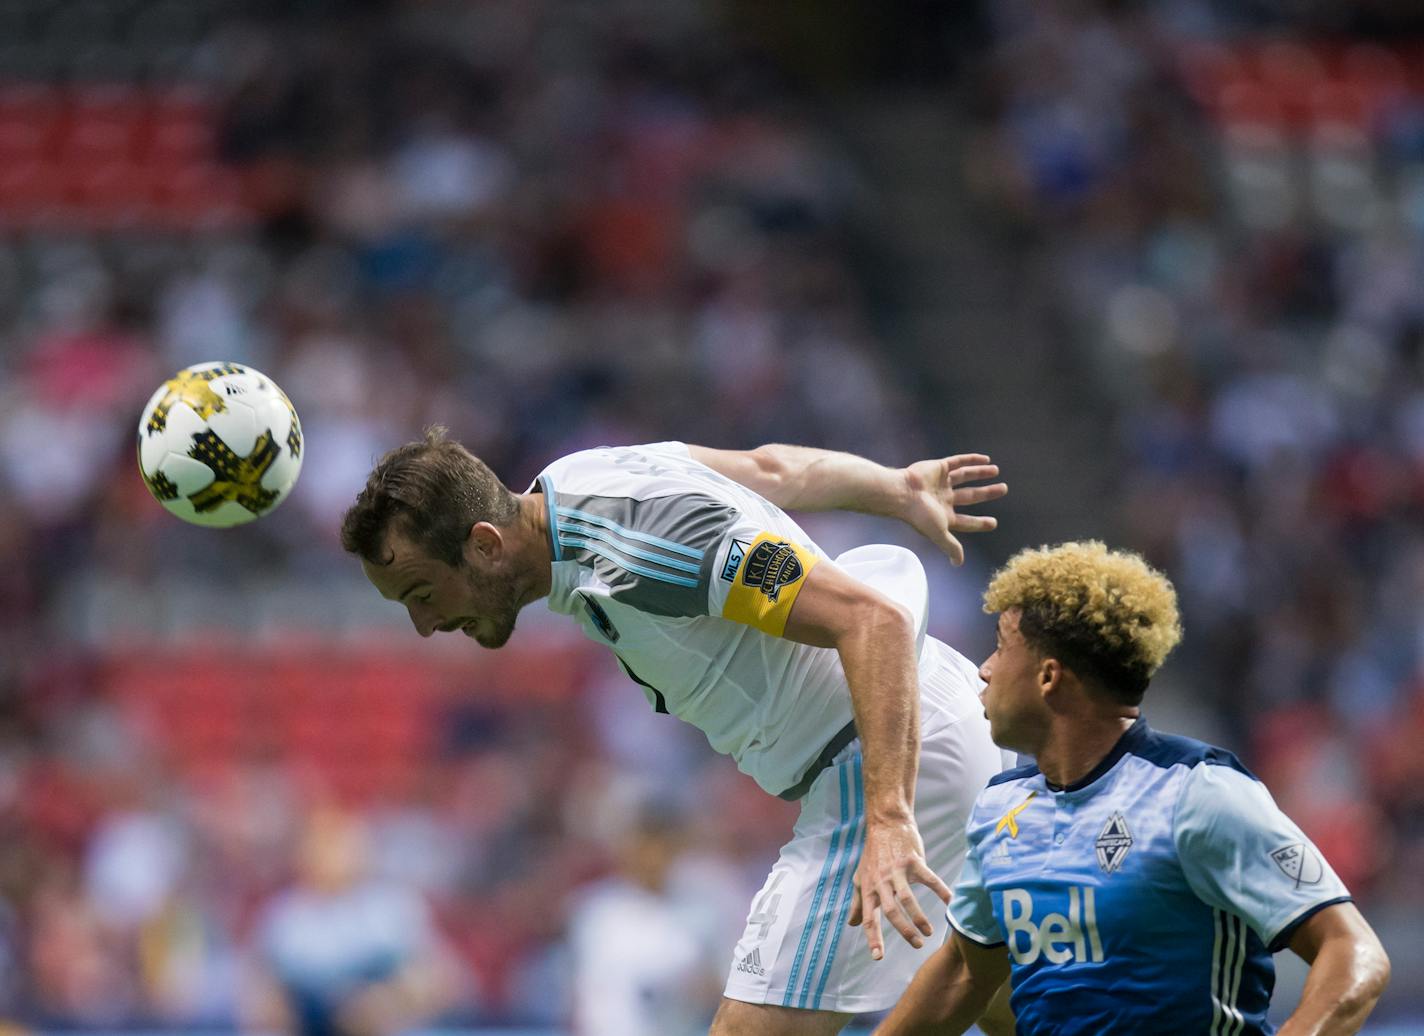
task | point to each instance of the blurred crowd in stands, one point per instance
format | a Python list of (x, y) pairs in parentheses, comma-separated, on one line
[(555, 225)]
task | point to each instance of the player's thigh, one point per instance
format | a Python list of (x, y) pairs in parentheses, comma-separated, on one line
[(735, 1018)]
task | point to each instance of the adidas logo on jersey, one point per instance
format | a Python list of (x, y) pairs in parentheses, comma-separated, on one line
[(751, 963), (1057, 938)]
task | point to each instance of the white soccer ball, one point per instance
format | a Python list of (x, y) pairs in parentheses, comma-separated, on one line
[(219, 444)]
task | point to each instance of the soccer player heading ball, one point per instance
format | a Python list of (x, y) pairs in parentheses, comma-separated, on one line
[(1131, 881), (814, 675)]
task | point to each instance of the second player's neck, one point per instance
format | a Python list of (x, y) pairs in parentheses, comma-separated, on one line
[(1072, 753)]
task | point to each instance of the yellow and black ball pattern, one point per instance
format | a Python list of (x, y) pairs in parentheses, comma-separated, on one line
[(219, 444)]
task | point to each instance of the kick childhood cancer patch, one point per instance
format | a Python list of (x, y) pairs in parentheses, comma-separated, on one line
[(765, 586)]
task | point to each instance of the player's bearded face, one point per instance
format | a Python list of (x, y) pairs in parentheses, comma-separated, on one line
[(477, 598), (492, 604)]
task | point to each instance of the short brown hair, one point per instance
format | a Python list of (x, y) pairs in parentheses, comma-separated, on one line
[(1107, 615), (436, 490)]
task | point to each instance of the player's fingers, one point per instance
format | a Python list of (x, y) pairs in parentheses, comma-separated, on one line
[(964, 460), (911, 906), (951, 546), (855, 912), (873, 938), (973, 473), (969, 495), (896, 911), (931, 880), (974, 523)]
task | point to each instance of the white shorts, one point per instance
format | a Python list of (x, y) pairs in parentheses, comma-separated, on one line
[(797, 949)]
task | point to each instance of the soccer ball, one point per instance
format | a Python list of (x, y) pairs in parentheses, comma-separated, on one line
[(219, 444)]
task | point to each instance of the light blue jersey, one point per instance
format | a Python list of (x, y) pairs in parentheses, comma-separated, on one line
[(1146, 898)]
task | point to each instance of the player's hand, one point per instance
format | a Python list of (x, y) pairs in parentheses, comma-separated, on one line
[(936, 489), (892, 860)]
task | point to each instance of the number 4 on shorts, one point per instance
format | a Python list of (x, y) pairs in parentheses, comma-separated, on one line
[(764, 909)]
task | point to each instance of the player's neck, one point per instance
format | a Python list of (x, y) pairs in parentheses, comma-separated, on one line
[(1076, 745), (538, 554)]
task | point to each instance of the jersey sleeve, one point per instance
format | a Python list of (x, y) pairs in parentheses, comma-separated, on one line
[(971, 910), (1240, 853), (683, 554), (656, 555), (759, 573)]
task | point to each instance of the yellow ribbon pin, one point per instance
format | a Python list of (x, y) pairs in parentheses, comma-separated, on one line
[(1010, 819)]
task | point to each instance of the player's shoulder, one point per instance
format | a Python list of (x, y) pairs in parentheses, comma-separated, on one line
[(1170, 750), (1008, 788), (598, 464), (1140, 752), (1016, 775), (1008, 794)]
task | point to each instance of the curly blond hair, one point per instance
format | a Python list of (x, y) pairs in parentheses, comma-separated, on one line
[(1105, 614)]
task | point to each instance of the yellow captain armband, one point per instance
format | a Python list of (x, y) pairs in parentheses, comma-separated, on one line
[(767, 582)]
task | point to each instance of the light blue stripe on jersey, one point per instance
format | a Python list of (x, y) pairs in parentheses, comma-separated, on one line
[(843, 915), (837, 904), (624, 563), (637, 552), (831, 855), (548, 484), (630, 534)]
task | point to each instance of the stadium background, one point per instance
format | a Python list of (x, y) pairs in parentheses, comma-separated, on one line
[(1162, 260)]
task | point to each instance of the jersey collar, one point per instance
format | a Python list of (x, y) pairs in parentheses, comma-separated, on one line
[(563, 571), (545, 485), (1133, 737)]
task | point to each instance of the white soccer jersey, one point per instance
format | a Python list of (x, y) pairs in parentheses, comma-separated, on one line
[(689, 578)]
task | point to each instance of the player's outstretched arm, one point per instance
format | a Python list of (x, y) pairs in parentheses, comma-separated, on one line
[(950, 991), (927, 495), (1348, 971)]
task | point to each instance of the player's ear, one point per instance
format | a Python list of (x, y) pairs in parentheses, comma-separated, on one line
[(1050, 675), (484, 541)]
